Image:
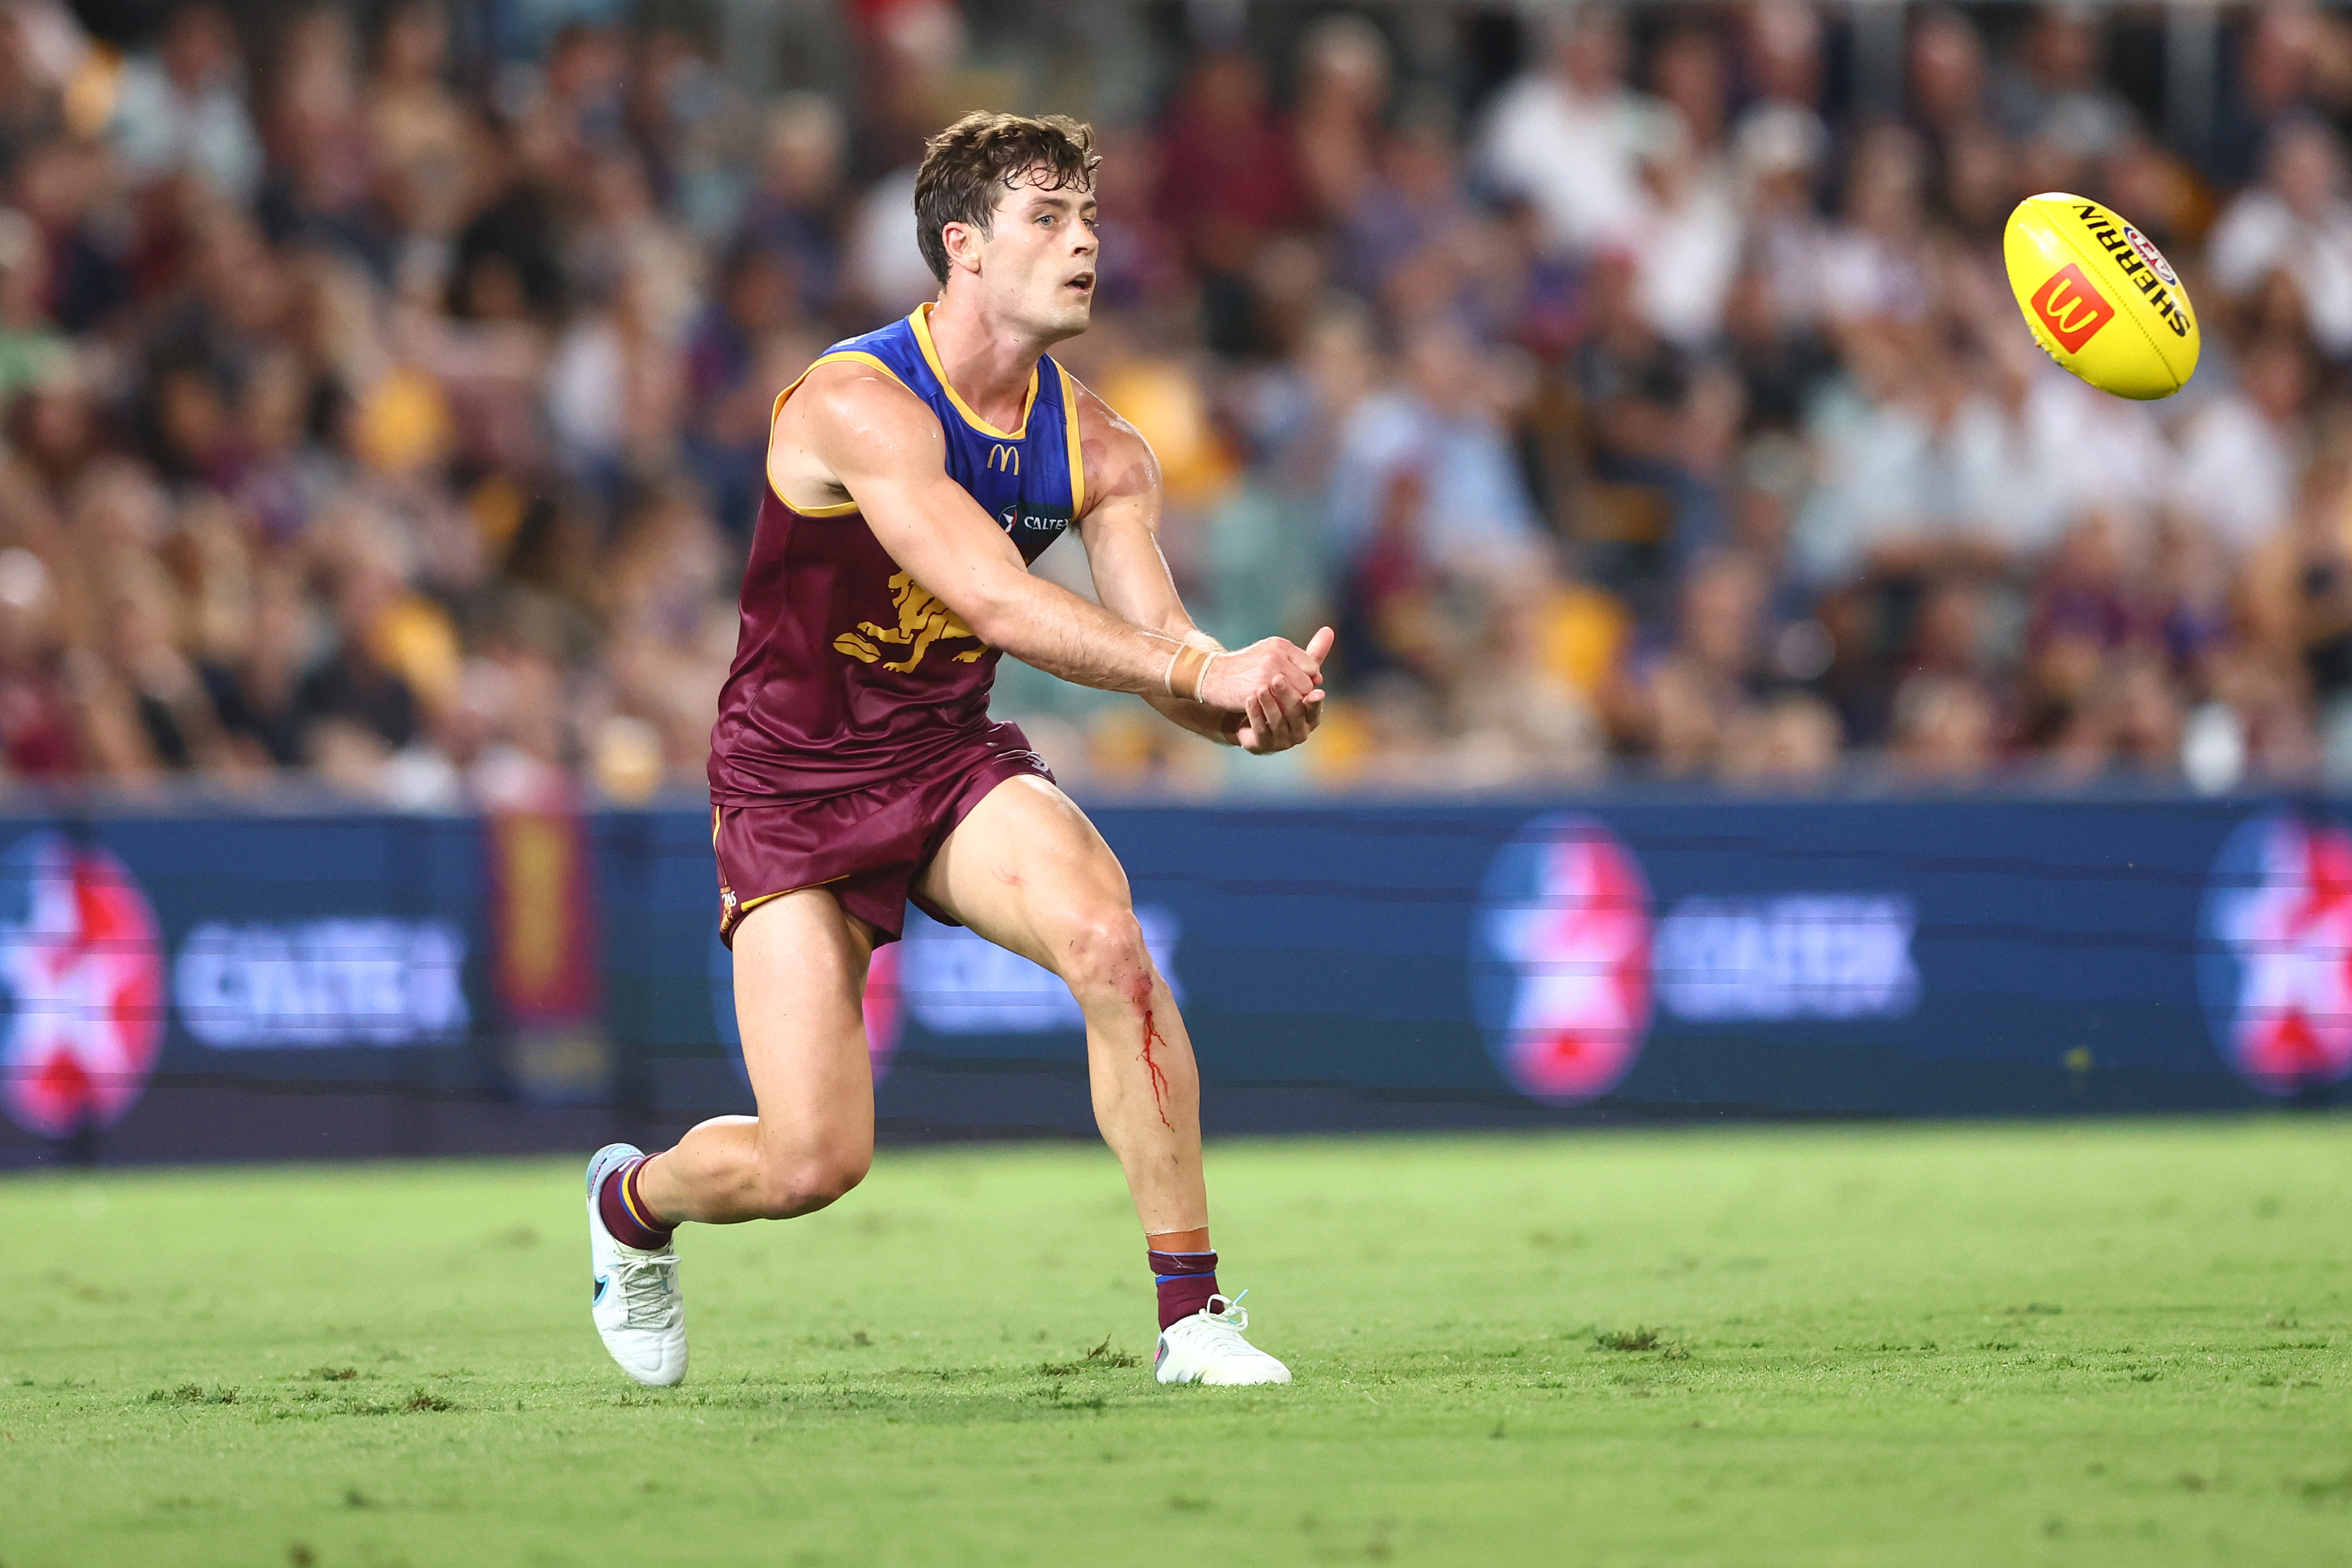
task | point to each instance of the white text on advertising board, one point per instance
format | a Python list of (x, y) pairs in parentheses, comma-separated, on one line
[(1808, 954), (313, 984), (955, 982)]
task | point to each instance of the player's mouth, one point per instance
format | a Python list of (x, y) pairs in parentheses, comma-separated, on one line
[(1084, 283)]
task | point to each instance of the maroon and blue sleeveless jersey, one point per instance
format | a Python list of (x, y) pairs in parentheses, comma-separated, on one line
[(848, 670)]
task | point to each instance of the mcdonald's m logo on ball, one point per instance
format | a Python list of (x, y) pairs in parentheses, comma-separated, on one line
[(2071, 307), (1009, 457)]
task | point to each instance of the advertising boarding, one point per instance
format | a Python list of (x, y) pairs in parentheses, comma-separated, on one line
[(158, 970), (214, 985)]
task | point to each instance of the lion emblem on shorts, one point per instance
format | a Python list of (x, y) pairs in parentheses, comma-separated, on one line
[(923, 619)]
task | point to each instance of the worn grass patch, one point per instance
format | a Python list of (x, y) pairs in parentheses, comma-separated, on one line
[(2060, 1345)]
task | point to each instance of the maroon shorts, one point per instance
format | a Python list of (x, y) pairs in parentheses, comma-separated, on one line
[(870, 845)]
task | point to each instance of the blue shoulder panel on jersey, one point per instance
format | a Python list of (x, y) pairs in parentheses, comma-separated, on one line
[(1031, 478)]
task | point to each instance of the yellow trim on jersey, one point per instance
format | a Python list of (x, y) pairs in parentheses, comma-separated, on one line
[(847, 356), (921, 318), (1078, 461)]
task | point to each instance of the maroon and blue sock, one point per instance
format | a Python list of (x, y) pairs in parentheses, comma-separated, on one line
[(1186, 1282), (626, 1214)]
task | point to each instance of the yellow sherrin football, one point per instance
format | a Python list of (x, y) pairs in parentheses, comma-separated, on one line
[(2101, 299)]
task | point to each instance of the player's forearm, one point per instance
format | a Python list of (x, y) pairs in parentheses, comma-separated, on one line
[(1197, 717), (1044, 624)]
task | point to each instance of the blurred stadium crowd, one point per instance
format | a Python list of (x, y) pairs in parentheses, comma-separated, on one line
[(388, 415)]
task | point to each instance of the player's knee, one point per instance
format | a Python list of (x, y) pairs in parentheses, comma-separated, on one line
[(805, 1183), (1102, 951)]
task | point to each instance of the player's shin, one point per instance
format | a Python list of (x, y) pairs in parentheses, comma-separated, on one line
[(1147, 1100)]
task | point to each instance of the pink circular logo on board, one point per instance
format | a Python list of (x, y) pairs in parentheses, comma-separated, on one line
[(82, 970), (2150, 255), (2275, 952), (1559, 962)]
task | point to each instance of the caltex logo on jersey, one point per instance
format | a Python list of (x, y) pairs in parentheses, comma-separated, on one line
[(83, 974), (2274, 962), (1559, 960)]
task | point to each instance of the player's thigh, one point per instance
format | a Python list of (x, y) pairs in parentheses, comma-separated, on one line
[(799, 987), (1026, 870)]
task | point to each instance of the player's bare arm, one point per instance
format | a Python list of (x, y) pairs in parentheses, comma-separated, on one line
[(1120, 527), (852, 434)]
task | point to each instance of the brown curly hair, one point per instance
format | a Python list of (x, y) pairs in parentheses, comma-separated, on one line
[(966, 166)]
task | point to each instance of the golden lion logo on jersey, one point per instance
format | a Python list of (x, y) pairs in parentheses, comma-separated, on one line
[(923, 619)]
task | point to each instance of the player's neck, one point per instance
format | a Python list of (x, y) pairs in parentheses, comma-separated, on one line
[(988, 364)]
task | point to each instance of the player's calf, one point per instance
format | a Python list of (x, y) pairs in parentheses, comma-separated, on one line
[(731, 1169), (791, 1185)]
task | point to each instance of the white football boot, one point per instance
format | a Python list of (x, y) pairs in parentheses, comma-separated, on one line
[(638, 1309), (1208, 1347)]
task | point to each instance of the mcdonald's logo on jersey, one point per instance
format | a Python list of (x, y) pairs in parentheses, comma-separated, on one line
[(2071, 307), (1005, 457)]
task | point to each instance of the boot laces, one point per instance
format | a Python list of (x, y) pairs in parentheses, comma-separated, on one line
[(648, 1287), (1232, 1313)]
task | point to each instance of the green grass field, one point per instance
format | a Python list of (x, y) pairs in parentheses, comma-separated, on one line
[(1995, 1345)]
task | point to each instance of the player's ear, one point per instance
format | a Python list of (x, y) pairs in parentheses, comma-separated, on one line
[(962, 243)]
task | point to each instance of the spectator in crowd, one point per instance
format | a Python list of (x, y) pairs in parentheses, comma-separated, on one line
[(1227, 181), (1686, 238), (795, 215), (183, 108), (2239, 455), (1693, 702), (1465, 509), (1945, 731), (2295, 224), (1344, 71), (1578, 98), (2053, 90), (2278, 43)]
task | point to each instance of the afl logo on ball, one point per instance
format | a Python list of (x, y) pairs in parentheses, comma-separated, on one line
[(1559, 960), (2150, 255), (2070, 308), (2275, 952), (81, 986)]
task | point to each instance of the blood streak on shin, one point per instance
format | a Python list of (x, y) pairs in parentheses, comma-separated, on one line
[(1151, 1037)]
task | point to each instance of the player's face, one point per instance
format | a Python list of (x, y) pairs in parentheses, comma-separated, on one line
[(1039, 262)]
